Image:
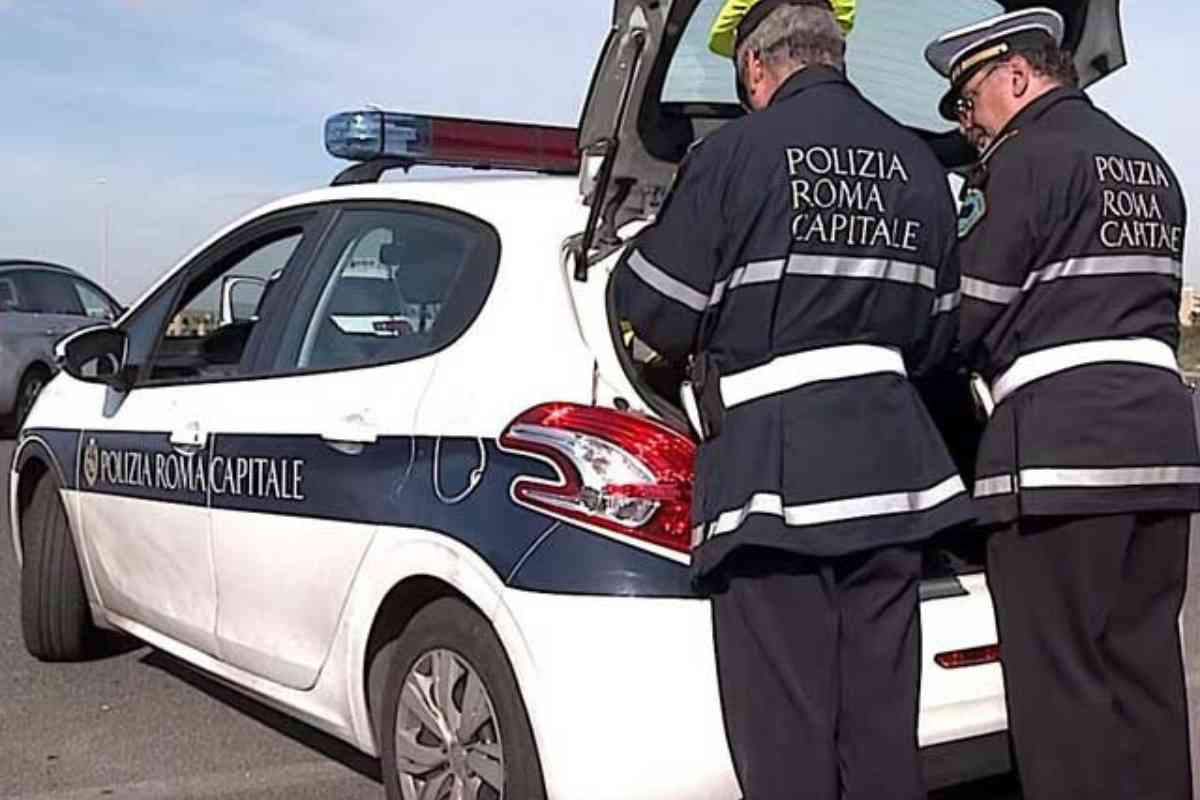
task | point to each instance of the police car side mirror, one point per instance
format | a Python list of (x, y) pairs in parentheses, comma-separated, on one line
[(95, 355), (240, 298)]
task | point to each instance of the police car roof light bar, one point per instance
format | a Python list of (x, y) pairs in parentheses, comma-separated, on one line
[(383, 140)]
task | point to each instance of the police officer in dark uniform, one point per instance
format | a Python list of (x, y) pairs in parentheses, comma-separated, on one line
[(806, 263), (1072, 240)]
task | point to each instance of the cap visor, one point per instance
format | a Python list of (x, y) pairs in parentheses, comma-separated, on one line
[(946, 105)]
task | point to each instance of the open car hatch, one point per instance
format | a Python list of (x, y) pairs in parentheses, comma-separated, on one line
[(657, 88)]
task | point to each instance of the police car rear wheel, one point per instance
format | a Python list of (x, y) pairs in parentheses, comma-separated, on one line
[(454, 723), (55, 619)]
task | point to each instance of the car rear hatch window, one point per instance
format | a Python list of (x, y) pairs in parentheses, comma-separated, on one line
[(884, 58), (657, 88)]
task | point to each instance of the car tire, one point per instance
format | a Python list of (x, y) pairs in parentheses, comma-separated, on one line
[(449, 672), (56, 620), (31, 385)]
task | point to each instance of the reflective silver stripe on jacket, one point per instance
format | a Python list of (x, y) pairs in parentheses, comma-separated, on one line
[(1086, 478), (824, 267), (989, 292), (1089, 266), (784, 373), (946, 302), (879, 269), (1105, 265), (755, 272), (1035, 366), (837, 510), (993, 487), (1107, 478), (664, 284)]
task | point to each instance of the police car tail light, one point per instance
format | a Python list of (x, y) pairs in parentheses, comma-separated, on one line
[(617, 471), (447, 141)]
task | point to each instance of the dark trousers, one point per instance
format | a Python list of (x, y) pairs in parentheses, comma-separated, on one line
[(1087, 610), (819, 668)]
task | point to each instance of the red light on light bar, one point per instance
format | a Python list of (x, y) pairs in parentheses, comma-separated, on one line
[(503, 145), (970, 657), (365, 136)]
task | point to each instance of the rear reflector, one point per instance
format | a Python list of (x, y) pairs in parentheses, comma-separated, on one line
[(970, 657)]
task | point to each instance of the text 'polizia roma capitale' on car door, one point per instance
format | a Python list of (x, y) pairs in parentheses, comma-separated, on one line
[(239, 476)]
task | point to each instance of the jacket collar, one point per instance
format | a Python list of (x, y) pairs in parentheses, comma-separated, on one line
[(804, 79), (1038, 108), (1029, 114)]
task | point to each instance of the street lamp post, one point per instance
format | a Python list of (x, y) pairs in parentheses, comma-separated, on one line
[(103, 184)]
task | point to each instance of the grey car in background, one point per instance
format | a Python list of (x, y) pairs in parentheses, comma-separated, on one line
[(39, 304)]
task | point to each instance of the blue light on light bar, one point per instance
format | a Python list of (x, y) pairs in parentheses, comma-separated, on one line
[(453, 142), (363, 135)]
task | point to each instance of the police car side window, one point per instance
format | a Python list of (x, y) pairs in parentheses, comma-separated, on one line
[(212, 316), (48, 293), (95, 305), (390, 285)]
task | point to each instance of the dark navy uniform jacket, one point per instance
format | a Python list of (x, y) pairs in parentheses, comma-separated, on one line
[(811, 225), (1072, 260)]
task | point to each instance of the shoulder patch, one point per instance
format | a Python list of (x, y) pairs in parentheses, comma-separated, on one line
[(973, 210)]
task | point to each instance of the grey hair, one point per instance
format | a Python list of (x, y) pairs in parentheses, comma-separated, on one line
[(792, 37), (1052, 62)]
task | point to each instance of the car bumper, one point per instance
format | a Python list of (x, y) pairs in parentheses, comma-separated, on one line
[(623, 697), (622, 694), (965, 760)]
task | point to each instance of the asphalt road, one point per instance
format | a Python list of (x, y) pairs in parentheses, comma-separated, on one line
[(140, 725)]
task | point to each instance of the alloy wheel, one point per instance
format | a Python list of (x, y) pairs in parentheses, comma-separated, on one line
[(447, 738)]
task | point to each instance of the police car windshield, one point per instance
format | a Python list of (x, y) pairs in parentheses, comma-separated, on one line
[(884, 56)]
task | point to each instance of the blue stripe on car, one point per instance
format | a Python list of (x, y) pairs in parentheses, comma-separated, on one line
[(390, 482)]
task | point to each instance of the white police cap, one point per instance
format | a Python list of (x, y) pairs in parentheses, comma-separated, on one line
[(959, 54)]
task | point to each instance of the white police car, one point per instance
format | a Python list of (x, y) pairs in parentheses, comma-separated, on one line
[(425, 498)]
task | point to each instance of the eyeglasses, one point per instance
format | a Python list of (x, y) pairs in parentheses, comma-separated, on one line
[(964, 106)]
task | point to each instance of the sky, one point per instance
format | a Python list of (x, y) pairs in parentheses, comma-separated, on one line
[(159, 121)]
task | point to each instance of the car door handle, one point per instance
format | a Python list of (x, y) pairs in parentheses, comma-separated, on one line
[(189, 439), (349, 434)]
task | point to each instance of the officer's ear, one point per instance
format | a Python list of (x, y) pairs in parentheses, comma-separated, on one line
[(752, 73), (1020, 74)]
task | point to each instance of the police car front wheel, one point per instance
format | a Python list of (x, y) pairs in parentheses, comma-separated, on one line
[(55, 618), (454, 722)]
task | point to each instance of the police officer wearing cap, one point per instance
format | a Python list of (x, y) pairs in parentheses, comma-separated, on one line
[(806, 263), (1071, 242)]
